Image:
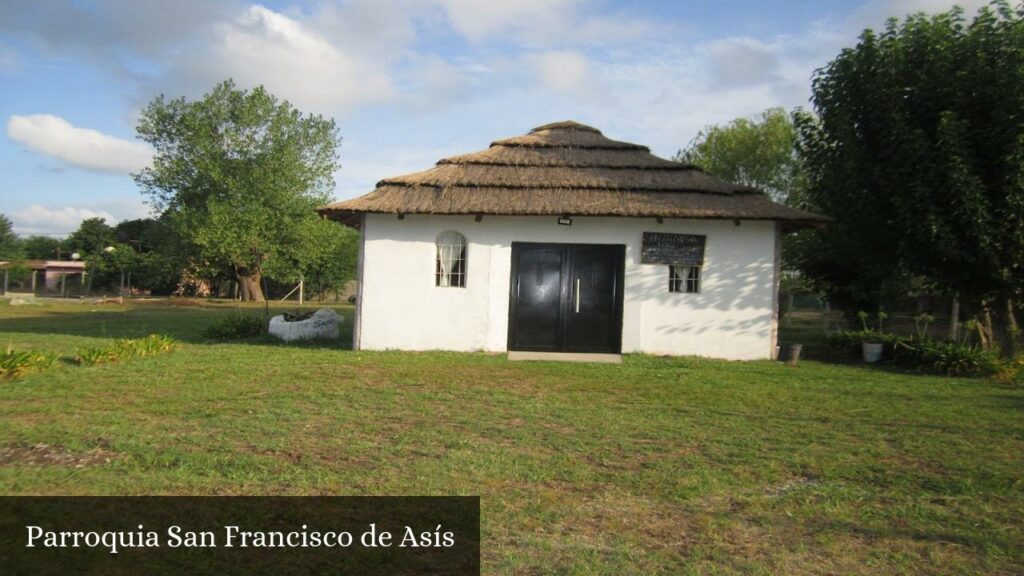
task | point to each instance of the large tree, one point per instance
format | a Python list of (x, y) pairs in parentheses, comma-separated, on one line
[(92, 236), (333, 264), (39, 247), (10, 247), (757, 151), (238, 174), (917, 152)]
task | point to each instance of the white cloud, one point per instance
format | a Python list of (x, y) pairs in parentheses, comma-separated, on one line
[(478, 20), (874, 13), (381, 27), (666, 98), (53, 219), (365, 165), (39, 219), (55, 137), (528, 62), (565, 72), (742, 62), (105, 25), (431, 83), (543, 22), (327, 56), (292, 60)]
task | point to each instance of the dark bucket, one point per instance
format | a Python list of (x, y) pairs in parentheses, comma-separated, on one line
[(793, 353)]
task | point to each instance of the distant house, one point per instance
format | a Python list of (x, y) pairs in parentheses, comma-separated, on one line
[(47, 275), (563, 240)]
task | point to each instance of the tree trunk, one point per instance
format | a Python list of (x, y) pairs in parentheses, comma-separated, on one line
[(249, 287), (989, 332), (954, 319), (1008, 349)]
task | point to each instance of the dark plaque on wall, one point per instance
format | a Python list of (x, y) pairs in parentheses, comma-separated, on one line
[(677, 249)]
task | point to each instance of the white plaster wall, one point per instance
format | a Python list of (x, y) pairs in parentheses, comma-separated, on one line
[(402, 309)]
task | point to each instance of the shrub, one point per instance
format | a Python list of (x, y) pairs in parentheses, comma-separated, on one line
[(94, 356), (148, 346), (1012, 371), (14, 364), (127, 349), (237, 327), (956, 359), (952, 358), (849, 342)]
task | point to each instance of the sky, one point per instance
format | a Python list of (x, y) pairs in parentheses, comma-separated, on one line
[(407, 81)]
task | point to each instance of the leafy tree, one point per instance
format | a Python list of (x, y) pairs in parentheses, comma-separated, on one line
[(756, 151), (134, 230), (237, 174), (334, 263), (91, 237), (90, 241), (44, 248), (157, 254), (917, 152), (10, 247)]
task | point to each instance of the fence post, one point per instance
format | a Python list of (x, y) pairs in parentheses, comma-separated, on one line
[(302, 285)]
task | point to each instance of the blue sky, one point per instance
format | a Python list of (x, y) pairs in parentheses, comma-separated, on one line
[(408, 81)]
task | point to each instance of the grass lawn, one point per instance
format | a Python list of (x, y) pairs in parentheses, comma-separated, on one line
[(659, 465)]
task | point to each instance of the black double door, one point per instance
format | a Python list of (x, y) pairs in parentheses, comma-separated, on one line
[(566, 297)]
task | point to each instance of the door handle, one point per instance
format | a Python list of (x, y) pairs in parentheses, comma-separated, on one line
[(577, 295)]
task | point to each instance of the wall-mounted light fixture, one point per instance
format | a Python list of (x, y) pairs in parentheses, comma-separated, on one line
[(478, 218), (401, 215), (659, 220), (565, 221), (736, 222)]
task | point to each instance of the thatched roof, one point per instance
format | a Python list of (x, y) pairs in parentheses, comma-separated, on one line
[(566, 168)]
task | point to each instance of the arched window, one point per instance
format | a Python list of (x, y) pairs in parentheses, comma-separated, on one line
[(450, 268)]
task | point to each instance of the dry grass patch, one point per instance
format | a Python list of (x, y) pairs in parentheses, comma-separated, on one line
[(43, 454)]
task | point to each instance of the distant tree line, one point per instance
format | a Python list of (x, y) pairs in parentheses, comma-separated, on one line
[(144, 255)]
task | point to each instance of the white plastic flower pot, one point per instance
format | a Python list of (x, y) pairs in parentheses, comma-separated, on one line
[(872, 351)]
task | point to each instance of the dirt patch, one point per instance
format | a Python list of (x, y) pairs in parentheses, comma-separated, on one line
[(43, 454), (790, 485)]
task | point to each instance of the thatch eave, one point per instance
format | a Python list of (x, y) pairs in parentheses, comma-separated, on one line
[(679, 165), (567, 168), (613, 147), (353, 218)]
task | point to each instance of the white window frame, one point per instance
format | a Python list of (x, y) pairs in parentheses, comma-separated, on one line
[(451, 257), (684, 279)]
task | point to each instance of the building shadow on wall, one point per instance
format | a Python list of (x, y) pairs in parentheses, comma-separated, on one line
[(726, 287)]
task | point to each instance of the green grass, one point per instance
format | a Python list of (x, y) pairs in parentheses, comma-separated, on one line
[(660, 465)]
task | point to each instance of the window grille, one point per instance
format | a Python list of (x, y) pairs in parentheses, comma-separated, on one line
[(450, 261), (684, 279)]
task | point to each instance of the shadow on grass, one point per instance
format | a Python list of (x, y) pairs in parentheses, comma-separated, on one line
[(186, 324), (891, 533), (344, 342)]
